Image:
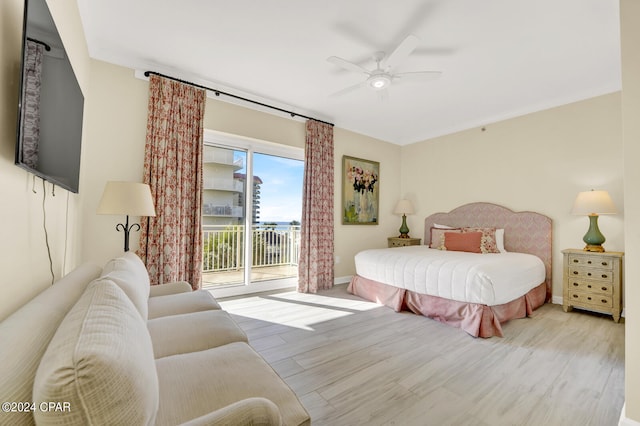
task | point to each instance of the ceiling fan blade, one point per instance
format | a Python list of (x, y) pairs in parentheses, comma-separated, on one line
[(348, 89), (349, 66), (417, 75), (400, 53)]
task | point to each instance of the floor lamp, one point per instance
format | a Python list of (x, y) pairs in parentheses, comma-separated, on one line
[(129, 199)]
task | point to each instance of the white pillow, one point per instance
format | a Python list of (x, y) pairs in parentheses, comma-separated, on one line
[(436, 225), (500, 240)]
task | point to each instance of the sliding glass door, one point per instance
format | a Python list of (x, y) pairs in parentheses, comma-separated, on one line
[(252, 202)]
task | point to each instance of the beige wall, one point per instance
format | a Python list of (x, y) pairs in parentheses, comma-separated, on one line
[(114, 147), (24, 261), (537, 162), (630, 24)]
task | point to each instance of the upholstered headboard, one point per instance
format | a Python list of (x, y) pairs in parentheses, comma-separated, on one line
[(524, 232)]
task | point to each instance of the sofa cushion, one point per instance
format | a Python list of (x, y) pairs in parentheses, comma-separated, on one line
[(25, 335), (100, 361), (170, 288), (181, 303), (130, 274), (197, 331), (221, 376)]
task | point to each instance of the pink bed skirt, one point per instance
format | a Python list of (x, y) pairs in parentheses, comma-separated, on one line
[(476, 319)]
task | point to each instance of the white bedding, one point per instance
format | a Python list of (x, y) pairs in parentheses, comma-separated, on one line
[(490, 279)]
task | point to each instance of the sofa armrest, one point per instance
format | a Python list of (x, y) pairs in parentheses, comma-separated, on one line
[(170, 288), (250, 411)]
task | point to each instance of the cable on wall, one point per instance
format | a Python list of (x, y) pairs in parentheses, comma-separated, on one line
[(46, 234), (220, 92)]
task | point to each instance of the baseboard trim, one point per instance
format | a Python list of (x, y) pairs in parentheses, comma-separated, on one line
[(624, 421), (342, 280)]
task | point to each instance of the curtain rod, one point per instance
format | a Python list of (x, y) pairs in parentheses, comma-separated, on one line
[(220, 92), (46, 46)]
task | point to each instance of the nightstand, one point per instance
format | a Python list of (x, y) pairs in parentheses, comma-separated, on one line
[(593, 281), (401, 242)]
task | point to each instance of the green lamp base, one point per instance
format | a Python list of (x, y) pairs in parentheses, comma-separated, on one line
[(593, 238), (404, 229)]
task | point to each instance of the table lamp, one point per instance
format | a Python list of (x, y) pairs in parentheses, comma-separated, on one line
[(593, 203), (404, 207)]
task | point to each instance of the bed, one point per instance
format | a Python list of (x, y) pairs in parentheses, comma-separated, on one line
[(472, 291)]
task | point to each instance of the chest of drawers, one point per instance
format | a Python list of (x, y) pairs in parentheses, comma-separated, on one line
[(593, 281)]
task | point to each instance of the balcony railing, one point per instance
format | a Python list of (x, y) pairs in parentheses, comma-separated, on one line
[(224, 246)]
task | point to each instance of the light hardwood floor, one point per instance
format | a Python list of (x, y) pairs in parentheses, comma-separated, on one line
[(352, 362)]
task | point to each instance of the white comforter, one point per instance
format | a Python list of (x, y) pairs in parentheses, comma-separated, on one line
[(490, 279)]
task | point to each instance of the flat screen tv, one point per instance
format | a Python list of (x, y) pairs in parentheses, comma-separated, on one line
[(50, 108)]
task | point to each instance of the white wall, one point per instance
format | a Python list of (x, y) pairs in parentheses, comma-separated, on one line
[(24, 261), (537, 162), (630, 27)]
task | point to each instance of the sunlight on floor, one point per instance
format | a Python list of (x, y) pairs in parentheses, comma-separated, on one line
[(302, 311)]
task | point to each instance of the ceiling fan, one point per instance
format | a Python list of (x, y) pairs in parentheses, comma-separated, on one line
[(383, 75)]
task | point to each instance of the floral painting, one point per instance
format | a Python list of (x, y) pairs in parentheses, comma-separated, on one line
[(360, 191)]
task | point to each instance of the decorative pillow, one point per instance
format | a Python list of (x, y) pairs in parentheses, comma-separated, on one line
[(437, 236), (488, 244), (100, 362), (463, 241)]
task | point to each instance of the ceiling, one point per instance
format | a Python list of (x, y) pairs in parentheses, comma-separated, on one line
[(499, 58)]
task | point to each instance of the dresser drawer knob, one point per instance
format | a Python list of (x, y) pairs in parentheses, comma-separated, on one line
[(575, 296), (589, 274), (576, 284), (604, 275), (603, 288), (589, 286), (605, 263), (575, 261), (589, 262), (575, 272), (588, 297), (604, 300)]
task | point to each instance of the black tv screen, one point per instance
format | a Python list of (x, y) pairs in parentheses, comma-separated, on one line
[(49, 132)]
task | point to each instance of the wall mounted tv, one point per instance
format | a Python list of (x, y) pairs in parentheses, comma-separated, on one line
[(49, 132)]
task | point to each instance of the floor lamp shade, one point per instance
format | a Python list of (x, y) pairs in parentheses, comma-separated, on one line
[(593, 203), (129, 199)]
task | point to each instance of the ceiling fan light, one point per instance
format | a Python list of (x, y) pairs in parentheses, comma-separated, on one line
[(379, 82)]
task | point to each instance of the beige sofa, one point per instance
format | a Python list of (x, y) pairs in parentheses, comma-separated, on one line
[(103, 347)]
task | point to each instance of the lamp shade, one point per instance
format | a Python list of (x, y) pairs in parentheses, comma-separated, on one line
[(404, 207), (126, 198), (593, 203)]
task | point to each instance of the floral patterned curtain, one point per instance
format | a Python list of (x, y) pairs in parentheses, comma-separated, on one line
[(171, 242), (315, 266), (31, 83)]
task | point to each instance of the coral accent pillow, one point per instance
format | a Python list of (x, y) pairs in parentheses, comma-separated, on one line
[(437, 236), (465, 241), (488, 244)]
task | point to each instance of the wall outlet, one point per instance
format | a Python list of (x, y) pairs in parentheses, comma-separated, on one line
[(336, 260)]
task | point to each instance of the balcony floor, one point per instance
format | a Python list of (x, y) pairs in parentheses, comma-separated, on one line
[(258, 273)]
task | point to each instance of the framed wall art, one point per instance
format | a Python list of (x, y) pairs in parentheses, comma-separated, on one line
[(360, 191)]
